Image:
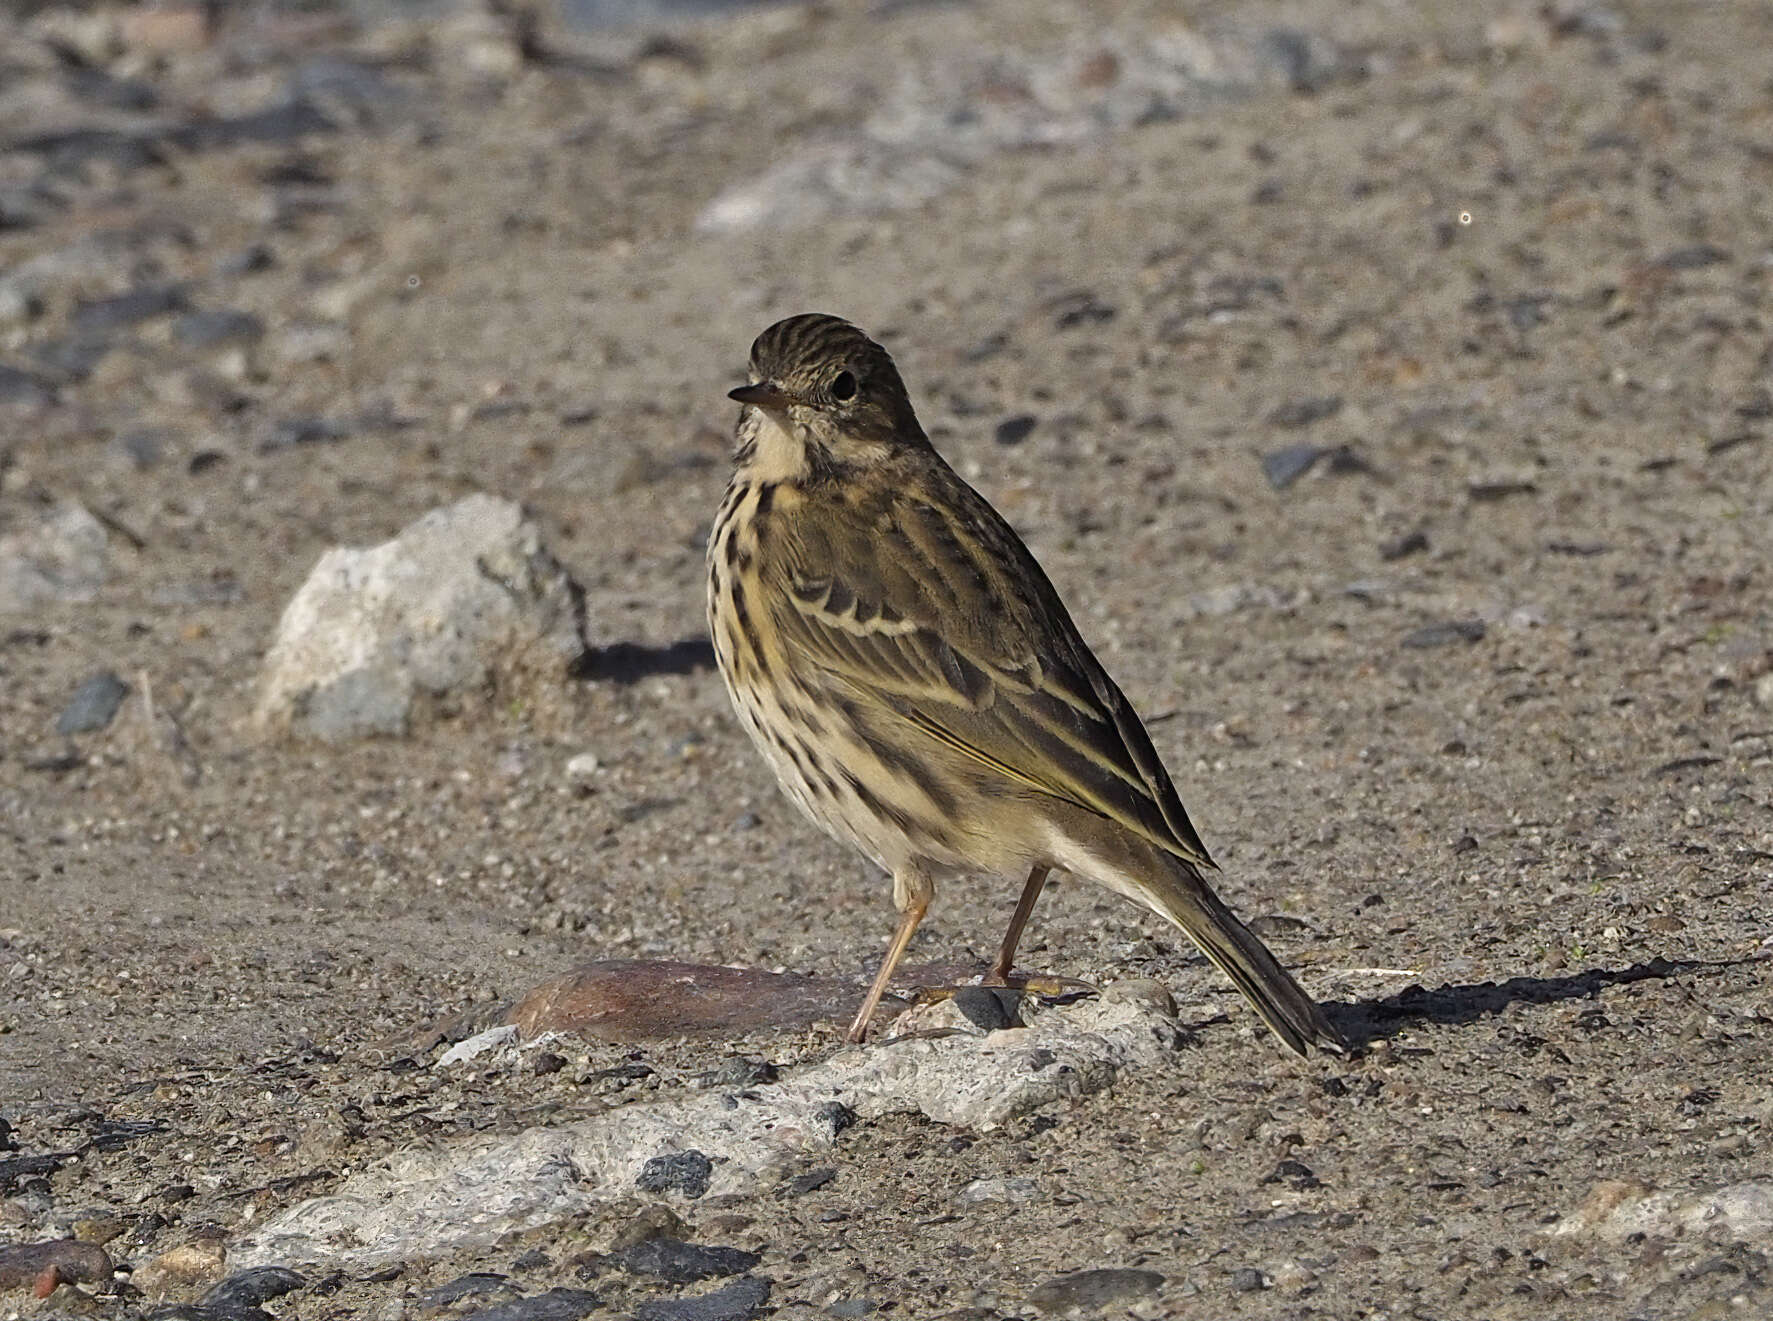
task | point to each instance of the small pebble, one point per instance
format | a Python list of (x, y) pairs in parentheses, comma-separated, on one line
[(686, 1172), (94, 704), (1444, 634)]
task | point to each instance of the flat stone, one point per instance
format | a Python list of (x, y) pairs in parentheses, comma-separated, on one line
[(218, 327), (1445, 634), (121, 311), (1093, 1290), (1287, 465), (429, 1201), (739, 1301), (93, 705), (677, 1262), (555, 1305)]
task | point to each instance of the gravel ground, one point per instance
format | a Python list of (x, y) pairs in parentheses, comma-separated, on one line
[(1476, 713)]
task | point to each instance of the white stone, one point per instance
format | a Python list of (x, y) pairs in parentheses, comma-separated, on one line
[(464, 600)]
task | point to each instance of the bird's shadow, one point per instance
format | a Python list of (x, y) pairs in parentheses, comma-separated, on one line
[(1366, 1021), (630, 662)]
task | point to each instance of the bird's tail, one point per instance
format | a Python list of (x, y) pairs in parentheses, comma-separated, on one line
[(1182, 896)]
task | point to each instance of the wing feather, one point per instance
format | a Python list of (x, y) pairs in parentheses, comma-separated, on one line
[(929, 603)]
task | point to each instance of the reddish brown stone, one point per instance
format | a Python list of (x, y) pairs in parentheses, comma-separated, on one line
[(43, 1266)]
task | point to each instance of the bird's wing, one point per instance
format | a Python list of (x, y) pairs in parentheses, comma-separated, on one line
[(929, 603)]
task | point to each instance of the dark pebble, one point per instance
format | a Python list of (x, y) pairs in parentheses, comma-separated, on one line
[(279, 123), (302, 431), (533, 1260), (1296, 413), (20, 387), (834, 1117), (676, 1262), (121, 311), (1408, 544), (988, 1008), (214, 327), (73, 358), (1081, 309), (811, 1181), (685, 1172), (70, 151), (476, 1284), (142, 446), (1287, 465), (748, 821), (1692, 258), (1447, 633), (1015, 430), (100, 88), (555, 1305), (1307, 63), (204, 460), (1248, 1280), (250, 1288), (249, 260), (739, 1301), (94, 704), (547, 1062), (1094, 1289), (1295, 1174), (1487, 491), (204, 1312)]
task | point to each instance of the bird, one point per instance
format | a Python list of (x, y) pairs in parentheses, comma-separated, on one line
[(910, 674)]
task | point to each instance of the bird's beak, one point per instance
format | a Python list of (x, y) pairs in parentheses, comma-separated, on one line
[(762, 394)]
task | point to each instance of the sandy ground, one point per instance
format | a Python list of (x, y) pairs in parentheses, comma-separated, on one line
[(1562, 828)]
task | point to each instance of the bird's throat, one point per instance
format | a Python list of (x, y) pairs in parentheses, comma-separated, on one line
[(772, 447)]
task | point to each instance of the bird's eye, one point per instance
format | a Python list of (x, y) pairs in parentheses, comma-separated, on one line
[(843, 386)]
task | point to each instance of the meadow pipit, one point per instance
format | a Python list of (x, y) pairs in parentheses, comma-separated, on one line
[(915, 682)]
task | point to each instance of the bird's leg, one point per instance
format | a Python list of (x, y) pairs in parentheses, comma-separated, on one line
[(914, 892), (1006, 957)]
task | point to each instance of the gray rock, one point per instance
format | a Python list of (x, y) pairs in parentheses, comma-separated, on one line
[(676, 1262), (464, 601), (685, 1172), (1287, 465), (250, 1288), (216, 327), (1094, 1290), (430, 1201), (61, 556), (555, 1305), (1445, 634), (476, 1284), (98, 315), (93, 705), (22, 387), (739, 1301)]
